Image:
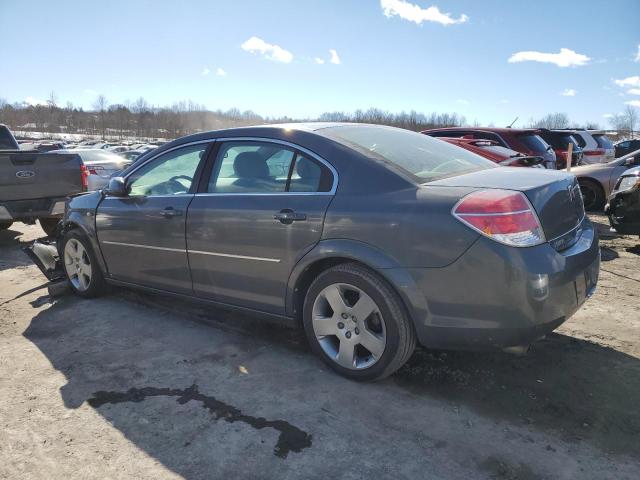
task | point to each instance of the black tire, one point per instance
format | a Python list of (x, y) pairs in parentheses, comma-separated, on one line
[(97, 284), (400, 334), (5, 225), (592, 195), (49, 225)]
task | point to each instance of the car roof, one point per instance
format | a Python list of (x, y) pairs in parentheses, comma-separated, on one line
[(485, 129)]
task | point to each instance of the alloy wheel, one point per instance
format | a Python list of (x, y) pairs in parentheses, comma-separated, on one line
[(77, 265), (349, 326)]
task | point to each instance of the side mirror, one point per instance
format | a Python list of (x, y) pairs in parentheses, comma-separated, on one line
[(117, 187), (629, 162)]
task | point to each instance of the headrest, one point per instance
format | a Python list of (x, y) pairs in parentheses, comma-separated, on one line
[(250, 165)]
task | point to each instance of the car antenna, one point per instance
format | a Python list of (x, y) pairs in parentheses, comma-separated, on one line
[(511, 125)]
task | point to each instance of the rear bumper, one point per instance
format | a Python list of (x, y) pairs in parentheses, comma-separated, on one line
[(495, 296), (32, 209)]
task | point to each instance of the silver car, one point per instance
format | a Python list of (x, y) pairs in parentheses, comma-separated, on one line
[(101, 165), (596, 181)]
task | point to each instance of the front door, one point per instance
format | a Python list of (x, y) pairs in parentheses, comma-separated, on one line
[(263, 209), (142, 235)]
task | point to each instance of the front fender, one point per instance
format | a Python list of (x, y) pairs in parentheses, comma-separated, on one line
[(81, 213), (363, 253)]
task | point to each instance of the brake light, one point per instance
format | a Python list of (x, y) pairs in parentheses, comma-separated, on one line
[(597, 151), (84, 176), (96, 170), (502, 215)]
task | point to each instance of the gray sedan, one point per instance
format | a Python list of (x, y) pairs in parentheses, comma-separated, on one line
[(373, 238), (597, 180)]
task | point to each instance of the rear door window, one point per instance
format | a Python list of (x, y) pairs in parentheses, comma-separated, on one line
[(603, 141)]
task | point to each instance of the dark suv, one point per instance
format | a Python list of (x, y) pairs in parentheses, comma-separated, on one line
[(559, 141), (527, 141), (626, 146)]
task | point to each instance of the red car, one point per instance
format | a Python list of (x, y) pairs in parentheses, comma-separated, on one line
[(523, 140), (496, 153)]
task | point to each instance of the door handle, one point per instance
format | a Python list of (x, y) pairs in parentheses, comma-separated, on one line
[(288, 216), (170, 212)]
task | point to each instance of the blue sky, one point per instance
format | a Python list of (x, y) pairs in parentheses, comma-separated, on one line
[(393, 54)]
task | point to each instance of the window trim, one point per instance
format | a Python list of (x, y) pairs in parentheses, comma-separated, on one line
[(293, 146)]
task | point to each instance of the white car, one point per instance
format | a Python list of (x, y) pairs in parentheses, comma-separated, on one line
[(605, 143), (101, 165), (592, 151)]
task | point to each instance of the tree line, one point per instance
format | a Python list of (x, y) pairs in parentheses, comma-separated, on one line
[(143, 120), (140, 119)]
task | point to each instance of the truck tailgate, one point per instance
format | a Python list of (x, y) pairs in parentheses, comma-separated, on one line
[(31, 175)]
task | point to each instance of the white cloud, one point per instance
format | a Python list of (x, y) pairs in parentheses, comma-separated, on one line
[(89, 91), (628, 82), (568, 92), (462, 101), (634, 91), (335, 59), (415, 13), (637, 59), (205, 71), (271, 52), (221, 72), (565, 58), (34, 101), (504, 100), (607, 115), (319, 60), (633, 103)]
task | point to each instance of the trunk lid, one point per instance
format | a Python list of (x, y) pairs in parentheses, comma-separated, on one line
[(554, 195), (32, 175)]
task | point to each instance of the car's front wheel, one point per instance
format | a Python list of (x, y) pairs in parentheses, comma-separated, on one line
[(80, 265), (357, 324), (592, 195)]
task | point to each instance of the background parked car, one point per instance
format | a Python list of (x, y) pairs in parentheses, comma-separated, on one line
[(131, 155), (496, 153), (605, 143), (101, 165), (626, 146), (527, 141), (559, 140), (597, 181), (592, 152), (623, 208)]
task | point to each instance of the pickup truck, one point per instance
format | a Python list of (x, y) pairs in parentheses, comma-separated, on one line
[(34, 186)]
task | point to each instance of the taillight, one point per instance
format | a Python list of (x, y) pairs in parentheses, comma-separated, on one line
[(84, 175), (502, 215), (96, 170), (597, 151)]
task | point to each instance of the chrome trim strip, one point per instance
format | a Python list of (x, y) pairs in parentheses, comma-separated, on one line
[(492, 214), (259, 194), (199, 252), (228, 255), (150, 247)]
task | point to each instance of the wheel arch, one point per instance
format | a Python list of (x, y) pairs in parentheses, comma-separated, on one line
[(597, 184), (329, 253), (77, 222)]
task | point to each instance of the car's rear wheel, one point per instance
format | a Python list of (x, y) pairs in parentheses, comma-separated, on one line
[(357, 324), (5, 225), (592, 195), (80, 265), (49, 225)]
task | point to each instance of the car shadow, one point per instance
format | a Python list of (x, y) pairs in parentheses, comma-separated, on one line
[(120, 363), (12, 257)]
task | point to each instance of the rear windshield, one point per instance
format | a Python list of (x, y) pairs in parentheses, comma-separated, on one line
[(424, 157), (533, 142), (561, 140), (603, 141), (7, 142)]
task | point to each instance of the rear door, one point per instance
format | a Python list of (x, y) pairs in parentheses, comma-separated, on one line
[(142, 235), (260, 211)]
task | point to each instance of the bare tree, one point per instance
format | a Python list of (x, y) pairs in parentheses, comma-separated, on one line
[(625, 122), (553, 120), (100, 106)]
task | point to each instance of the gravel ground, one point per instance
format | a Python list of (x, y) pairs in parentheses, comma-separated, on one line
[(133, 386)]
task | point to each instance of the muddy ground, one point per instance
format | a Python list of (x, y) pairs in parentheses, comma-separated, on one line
[(133, 386)]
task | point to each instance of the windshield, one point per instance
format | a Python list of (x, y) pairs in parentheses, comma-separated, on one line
[(533, 142), (424, 157)]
